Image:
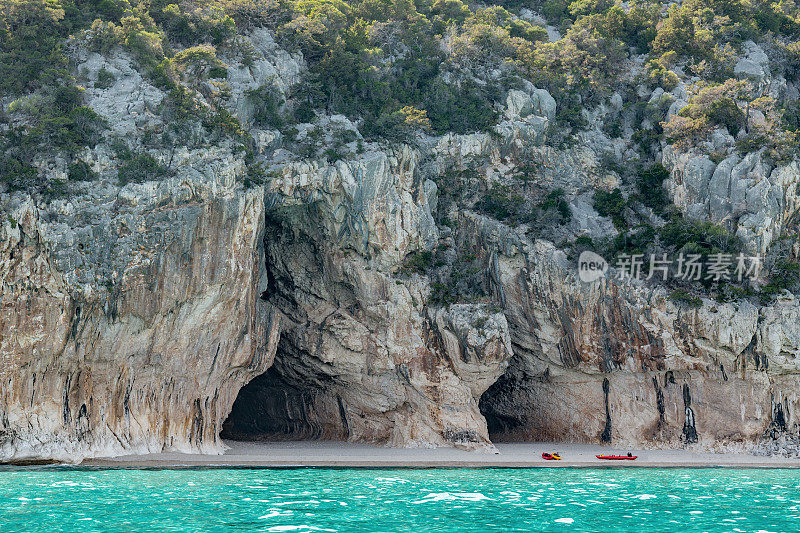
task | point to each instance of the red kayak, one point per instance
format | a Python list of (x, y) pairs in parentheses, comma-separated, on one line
[(617, 457), (551, 456)]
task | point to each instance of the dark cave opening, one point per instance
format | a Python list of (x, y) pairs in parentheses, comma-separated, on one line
[(261, 410), (298, 397), (284, 406), (501, 421)]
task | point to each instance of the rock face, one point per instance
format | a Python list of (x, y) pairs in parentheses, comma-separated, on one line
[(130, 332), (360, 358), (132, 317), (157, 316), (621, 363), (754, 198), (754, 65)]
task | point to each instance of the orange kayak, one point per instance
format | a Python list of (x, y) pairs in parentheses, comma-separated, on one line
[(617, 457)]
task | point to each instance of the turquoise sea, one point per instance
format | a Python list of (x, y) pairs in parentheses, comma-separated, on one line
[(59, 499)]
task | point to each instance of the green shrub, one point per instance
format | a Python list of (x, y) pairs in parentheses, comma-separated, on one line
[(399, 126), (635, 240), (418, 262), (104, 36), (143, 37), (556, 11), (498, 18), (54, 189), (725, 112), (189, 24), (63, 122), (218, 72), (30, 45), (80, 127), (784, 275), (181, 105), (501, 203), (57, 122), (792, 51), (463, 281), (611, 204), (682, 297), (659, 73), (694, 27), (556, 200), (790, 117), (361, 75), (267, 107), (650, 182), (463, 109), (17, 174), (256, 173), (199, 62), (224, 122), (449, 12), (140, 168), (251, 14), (81, 171), (701, 237), (711, 107), (589, 7), (105, 79), (583, 62), (120, 149)]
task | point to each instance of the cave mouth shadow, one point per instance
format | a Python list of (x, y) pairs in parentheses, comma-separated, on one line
[(273, 407), (502, 423)]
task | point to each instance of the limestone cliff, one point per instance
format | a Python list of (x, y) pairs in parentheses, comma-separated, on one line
[(129, 323), (154, 316)]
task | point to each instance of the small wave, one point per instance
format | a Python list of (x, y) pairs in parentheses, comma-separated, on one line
[(65, 484), (298, 528), (453, 496)]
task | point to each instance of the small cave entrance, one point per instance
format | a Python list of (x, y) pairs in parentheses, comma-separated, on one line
[(281, 406), (497, 407)]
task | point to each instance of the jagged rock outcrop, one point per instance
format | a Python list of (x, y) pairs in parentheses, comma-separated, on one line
[(754, 65), (359, 357), (271, 66), (753, 197)]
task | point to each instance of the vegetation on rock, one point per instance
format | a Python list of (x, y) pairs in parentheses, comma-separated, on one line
[(401, 71)]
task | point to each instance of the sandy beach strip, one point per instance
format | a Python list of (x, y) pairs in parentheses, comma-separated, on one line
[(510, 455)]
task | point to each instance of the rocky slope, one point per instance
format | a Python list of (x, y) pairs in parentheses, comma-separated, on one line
[(132, 316)]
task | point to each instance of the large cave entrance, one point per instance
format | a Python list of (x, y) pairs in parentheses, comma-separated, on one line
[(285, 403), (299, 396)]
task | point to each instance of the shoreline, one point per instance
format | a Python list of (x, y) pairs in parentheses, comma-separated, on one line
[(331, 454)]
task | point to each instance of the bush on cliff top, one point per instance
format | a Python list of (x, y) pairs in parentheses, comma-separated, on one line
[(449, 61)]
